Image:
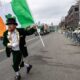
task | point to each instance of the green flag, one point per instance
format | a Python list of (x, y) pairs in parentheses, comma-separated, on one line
[(22, 12)]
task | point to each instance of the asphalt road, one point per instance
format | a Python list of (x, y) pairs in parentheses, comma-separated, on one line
[(59, 60)]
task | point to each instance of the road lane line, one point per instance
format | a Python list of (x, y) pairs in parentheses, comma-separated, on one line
[(32, 39), (2, 50)]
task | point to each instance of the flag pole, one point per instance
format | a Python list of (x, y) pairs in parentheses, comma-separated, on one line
[(40, 37)]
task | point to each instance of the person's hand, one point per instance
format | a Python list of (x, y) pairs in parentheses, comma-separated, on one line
[(34, 27), (9, 45)]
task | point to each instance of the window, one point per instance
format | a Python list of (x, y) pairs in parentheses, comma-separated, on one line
[(76, 9)]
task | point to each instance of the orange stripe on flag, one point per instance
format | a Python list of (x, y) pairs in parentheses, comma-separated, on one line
[(2, 27)]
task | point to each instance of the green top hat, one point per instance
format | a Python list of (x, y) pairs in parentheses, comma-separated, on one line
[(10, 20)]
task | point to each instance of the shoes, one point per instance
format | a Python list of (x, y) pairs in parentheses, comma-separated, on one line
[(18, 77), (29, 68)]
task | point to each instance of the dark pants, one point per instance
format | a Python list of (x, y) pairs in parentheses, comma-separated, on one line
[(17, 60)]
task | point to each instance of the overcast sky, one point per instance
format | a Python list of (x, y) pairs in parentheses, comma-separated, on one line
[(49, 10)]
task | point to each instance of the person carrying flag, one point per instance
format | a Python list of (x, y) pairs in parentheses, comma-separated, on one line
[(14, 41)]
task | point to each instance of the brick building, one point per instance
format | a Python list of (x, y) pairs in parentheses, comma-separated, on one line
[(71, 21)]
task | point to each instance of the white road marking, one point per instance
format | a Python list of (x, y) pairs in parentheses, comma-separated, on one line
[(2, 50), (32, 39)]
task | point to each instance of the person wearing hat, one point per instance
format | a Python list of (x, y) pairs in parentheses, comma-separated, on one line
[(14, 41)]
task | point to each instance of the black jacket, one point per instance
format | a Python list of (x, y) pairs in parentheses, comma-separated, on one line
[(23, 33)]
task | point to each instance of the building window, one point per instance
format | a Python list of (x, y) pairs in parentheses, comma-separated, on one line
[(76, 9)]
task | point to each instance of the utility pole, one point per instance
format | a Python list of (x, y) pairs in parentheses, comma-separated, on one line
[(79, 12), (78, 2)]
